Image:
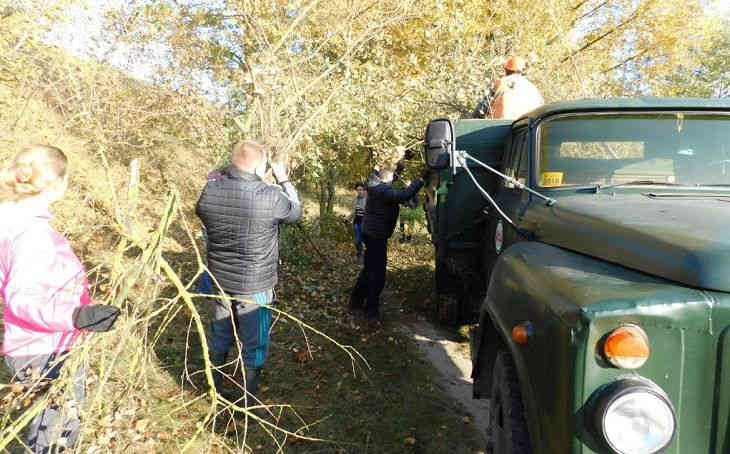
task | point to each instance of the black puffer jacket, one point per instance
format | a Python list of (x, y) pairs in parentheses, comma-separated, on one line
[(242, 215), (381, 211)]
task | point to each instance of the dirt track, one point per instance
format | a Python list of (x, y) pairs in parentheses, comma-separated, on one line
[(452, 360)]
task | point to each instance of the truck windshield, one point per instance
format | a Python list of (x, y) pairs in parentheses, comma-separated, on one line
[(678, 148)]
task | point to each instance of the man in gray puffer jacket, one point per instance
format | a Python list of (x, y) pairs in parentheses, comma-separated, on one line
[(242, 214)]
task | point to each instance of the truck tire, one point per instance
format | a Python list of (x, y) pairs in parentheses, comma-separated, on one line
[(489, 253), (506, 430), (440, 272), (444, 305), (444, 308)]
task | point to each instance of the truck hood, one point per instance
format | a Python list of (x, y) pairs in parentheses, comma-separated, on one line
[(683, 237)]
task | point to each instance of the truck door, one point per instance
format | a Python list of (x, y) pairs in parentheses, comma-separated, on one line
[(511, 199)]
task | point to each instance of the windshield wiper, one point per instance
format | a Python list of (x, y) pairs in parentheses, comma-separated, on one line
[(598, 187), (717, 185)]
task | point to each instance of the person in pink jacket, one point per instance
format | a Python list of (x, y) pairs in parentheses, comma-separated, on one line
[(44, 288)]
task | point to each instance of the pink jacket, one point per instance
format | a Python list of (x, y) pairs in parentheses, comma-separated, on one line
[(41, 282)]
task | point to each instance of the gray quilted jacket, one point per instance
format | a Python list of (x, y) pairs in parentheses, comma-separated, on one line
[(242, 215)]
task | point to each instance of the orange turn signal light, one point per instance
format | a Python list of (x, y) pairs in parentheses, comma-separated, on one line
[(627, 347), (521, 333)]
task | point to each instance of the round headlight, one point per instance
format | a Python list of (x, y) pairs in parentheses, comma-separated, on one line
[(635, 417)]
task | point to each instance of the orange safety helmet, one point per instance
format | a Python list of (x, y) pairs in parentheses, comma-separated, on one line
[(515, 64)]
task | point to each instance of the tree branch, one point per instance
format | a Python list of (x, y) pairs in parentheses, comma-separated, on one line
[(633, 57)]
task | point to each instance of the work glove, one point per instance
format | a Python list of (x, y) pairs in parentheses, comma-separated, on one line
[(400, 167), (95, 317), (279, 172)]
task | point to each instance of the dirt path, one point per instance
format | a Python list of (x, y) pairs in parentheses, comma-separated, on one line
[(452, 360)]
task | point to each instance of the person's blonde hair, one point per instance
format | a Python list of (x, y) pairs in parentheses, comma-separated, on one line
[(31, 172)]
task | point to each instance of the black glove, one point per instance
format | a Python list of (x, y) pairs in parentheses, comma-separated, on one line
[(426, 175), (95, 317), (480, 111)]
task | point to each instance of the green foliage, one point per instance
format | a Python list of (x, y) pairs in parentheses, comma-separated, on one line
[(333, 228), (412, 216), (294, 245)]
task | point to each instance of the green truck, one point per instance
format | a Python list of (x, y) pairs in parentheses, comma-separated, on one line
[(595, 236)]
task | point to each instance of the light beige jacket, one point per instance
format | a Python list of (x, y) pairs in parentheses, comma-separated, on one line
[(514, 97)]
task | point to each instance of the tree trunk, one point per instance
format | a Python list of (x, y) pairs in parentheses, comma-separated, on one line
[(331, 190), (322, 197)]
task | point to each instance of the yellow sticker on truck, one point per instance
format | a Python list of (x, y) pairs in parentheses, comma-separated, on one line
[(551, 179)]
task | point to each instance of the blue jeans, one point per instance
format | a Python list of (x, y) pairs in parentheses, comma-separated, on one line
[(252, 321), (205, 283), (357, 226)]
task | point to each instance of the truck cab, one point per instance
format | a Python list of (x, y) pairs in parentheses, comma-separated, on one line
[(594, 235)]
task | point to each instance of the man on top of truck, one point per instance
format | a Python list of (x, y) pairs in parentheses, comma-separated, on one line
[(511, 96)]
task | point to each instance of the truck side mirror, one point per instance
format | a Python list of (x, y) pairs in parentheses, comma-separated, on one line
[(439, 143)]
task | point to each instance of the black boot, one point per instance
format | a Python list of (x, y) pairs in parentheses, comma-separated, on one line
[(217, 360), (252, 380)]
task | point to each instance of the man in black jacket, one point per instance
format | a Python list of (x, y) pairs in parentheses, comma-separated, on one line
[(381, 214), (242, 214)]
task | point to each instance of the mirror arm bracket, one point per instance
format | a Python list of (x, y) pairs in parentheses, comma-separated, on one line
[(463, 156)]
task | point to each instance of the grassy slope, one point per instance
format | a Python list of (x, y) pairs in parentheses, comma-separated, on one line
[(85, 217)]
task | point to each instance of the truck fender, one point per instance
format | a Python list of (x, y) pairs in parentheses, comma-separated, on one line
[(486, 342), (521, 288)]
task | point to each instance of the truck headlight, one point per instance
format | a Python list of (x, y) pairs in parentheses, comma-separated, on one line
[(634, 416)]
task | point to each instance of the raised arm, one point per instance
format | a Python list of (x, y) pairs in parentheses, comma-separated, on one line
[(287, 209), (401, 195)]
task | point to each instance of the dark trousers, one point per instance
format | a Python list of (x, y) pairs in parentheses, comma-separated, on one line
[(57, 426), (251, 321), (370, 282)]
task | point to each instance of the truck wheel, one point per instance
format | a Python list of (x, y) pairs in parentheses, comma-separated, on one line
[(489, 253), (506, 430), (442, 303), (441, 275), (445, 308)]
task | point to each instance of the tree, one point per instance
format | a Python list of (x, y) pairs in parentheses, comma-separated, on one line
[(366, 75), (706, 72)]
